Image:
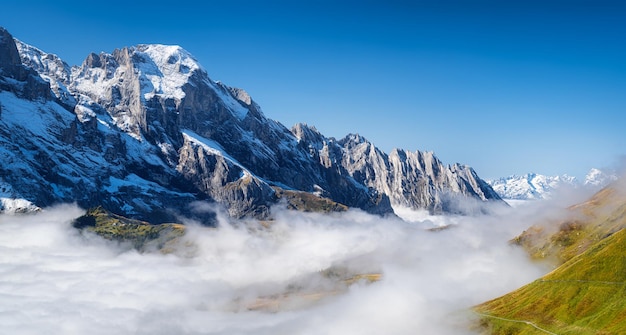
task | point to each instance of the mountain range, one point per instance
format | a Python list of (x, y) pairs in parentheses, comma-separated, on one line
[(145, 133), (536, 186)]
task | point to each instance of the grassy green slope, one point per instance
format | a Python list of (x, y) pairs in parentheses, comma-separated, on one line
[(139, 234), (587, 293), (587, 224)]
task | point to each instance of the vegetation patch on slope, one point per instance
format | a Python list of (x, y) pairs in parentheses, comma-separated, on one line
[(587, 224), (584, 295), (308, 202), (140, 235)]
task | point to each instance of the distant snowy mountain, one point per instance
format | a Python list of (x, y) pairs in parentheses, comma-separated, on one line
[(599, 178), (535, 186), (144, 132)]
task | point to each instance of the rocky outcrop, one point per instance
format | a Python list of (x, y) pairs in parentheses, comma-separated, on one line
[(51, 69), (409, 179), (15, 77), (9, 55), (165, 237), (226, 182)]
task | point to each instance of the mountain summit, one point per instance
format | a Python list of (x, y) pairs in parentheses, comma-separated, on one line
[(144, 132), (533, 186)]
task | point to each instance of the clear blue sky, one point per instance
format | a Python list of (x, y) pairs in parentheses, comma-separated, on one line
[(504, 86)]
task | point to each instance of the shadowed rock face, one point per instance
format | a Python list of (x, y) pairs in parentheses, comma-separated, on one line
[(9, 55), (16, 78), (145, 132)]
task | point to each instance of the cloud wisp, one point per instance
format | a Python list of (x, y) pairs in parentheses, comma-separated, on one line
[(55, 280)]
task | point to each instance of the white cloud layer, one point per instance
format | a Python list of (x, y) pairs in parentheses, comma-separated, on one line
[(53, 280)]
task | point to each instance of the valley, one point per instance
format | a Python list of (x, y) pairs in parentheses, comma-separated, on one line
[(141, 195)]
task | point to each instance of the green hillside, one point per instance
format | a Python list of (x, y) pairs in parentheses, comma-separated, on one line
[(586, 294), (586, 224), (140, 235)]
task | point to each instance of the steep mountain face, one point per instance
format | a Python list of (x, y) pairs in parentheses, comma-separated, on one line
[(536, 186), (144, 132), (157, 108), (410, 179), (50, 155)]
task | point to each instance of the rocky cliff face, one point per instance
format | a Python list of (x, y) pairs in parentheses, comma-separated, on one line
[(21, 80), (410, 179), (145, 132)]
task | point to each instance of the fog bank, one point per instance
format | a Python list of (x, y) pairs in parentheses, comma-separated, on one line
[(54, 280)]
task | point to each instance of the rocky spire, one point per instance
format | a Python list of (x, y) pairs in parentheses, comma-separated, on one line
[(32, 86), (9, 56)]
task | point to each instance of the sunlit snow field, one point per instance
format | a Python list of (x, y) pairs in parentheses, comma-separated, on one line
[(54, 280)]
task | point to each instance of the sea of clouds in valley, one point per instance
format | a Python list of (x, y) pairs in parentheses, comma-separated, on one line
[(55, 280)]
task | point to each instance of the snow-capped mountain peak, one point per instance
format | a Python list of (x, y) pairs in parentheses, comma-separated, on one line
[(144, 132), (51, 68), (46, 63), (160, 69), (537, 186), (596, 177), (528, 186), (166, 67)]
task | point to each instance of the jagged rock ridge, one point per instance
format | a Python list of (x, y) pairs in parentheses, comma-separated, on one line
[(146, 133), (410, 179)]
